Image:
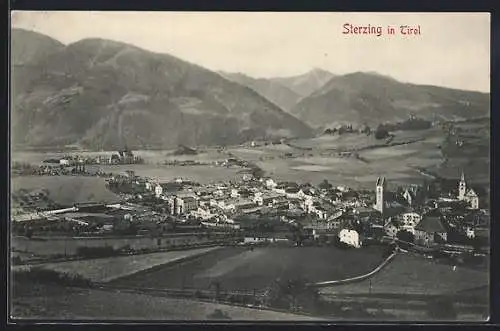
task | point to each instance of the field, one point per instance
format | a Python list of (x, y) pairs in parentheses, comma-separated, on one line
[(60, 303), (107, 269), (243, 269), (66, 190), (69, 246), (407, 152), (313, 160), (415, 275)]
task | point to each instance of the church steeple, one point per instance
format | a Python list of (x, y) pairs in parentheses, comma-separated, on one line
[(462, 187)]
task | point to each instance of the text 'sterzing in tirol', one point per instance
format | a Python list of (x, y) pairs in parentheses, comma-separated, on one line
[(403, 30)]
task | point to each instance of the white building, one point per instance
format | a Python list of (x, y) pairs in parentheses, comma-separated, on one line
[(64, 162), (158, 190), (270, 184), (472, 198), (350, 237), (470, 233)]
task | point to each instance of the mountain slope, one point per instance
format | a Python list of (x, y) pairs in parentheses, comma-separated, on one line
[(307, 83), (278, 94), (105, 94), (368, 98), (28, 47)]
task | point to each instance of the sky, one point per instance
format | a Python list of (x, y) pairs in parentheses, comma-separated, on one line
[(452, 50)]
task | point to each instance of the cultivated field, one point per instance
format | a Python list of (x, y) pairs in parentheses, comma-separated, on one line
[(414, 275), (243, 269), (107, 269), (61, 303), (316, 159)]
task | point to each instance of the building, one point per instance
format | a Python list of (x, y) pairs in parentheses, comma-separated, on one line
[(462, 187), (431, 229), (410, 221), (469, 196), (158, 190), (380, 190), (350, 237), (185, 204), (270, 184), (472, 198)]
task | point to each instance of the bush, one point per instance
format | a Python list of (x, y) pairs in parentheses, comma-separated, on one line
[(93, 252), (39, 275), (381, 132), (219, 314), (442, 310)]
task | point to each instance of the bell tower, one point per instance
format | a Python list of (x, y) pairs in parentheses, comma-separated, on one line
[(380, 188), (462, 187)]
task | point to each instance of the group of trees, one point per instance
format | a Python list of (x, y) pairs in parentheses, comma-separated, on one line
[(347, 129), (293, 294)]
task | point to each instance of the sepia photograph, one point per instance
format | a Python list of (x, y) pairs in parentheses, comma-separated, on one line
[(249, 166)]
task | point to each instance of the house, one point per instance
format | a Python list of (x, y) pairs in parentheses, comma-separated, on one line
[(190, 202), (64, 162), (270, 183), (350, 237), (431, 229), (472, 198), (158, 190), (409, 221), (391, 229), (234, 193)]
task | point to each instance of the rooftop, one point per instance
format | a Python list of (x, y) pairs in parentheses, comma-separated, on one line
[(431, 224)]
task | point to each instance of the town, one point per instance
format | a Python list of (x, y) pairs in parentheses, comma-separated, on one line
[(435, 218)]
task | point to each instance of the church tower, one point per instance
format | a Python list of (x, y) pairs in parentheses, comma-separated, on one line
[(380, 188), (462, 186)]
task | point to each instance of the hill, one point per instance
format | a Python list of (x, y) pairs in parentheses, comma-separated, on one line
[(369, 98), (307, 83), (28, 47), (103, 94), (273, 91)]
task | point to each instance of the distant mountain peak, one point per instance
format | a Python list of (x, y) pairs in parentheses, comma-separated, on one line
[(307, 83)]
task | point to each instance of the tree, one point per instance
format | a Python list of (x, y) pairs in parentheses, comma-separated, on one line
[(405, 236), (257, 172), (29, 232), (381, 132), (293, 294), (325, 185)]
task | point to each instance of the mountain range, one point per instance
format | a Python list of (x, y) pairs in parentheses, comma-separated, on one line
[(370, 99), (103, 94)]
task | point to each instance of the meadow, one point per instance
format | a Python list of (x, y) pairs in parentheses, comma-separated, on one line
[(63, 303), (415, 275), (239, 268), (107, 269), (66, 190)]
